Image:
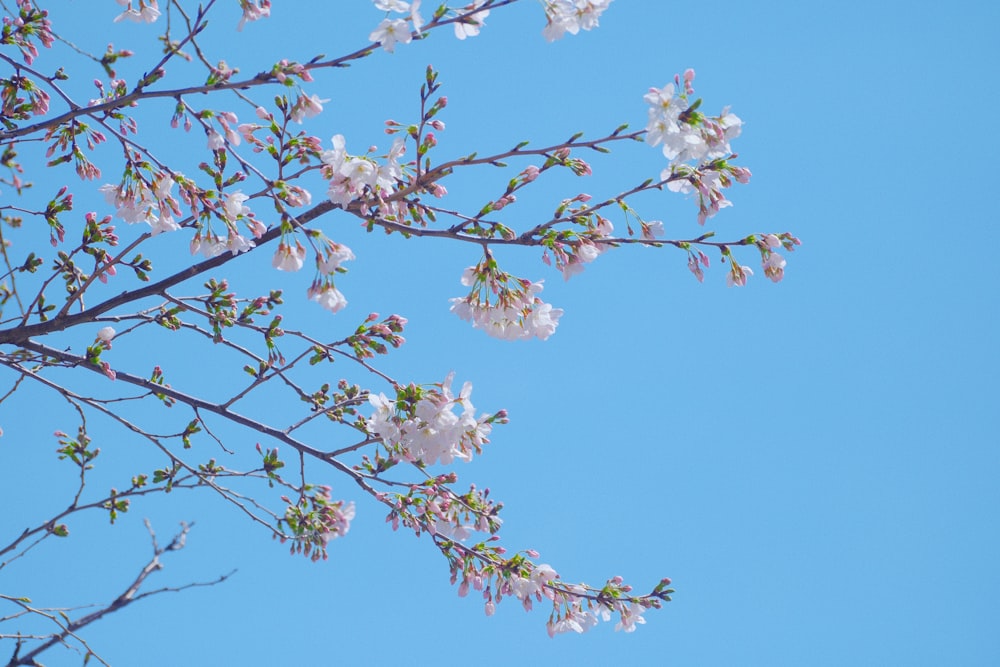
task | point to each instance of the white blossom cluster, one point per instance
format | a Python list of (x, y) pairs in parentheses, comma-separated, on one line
[(571, 16), (516, 314), (432, 433), (562, 16), (349, 175), (691, 141), (686, 135), (139, 203)]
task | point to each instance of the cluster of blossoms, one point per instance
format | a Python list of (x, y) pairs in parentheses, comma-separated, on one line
[(562, 16), (329, 257), (217, 140), (420, 426), (351, 176), (689, 136), (571, 16), (433, 507), (314, 520), (328, 262), (135, 201), (13, 105), (291, 255), (392, 31), (571, 258), (30, 22), (302, 148), (686, 134), (326, 294), (148, 11), (707, 184), (504, 306), (233, 210), (288, 257), (575, 607), (116, 88), (772, 262), (588, 244), (580, 613)]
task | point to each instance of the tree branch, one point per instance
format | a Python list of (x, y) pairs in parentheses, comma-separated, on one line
[(68, 629)]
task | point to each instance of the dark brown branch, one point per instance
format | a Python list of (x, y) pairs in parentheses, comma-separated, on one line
[(201, 404), (129, 596)]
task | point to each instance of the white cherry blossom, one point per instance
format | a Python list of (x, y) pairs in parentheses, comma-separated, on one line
[(470, 25), (289, 258), (390, 32)]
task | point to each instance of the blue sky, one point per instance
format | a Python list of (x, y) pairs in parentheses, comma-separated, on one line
[(810, 462)]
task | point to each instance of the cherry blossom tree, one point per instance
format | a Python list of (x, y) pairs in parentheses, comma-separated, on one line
[(78, 286)]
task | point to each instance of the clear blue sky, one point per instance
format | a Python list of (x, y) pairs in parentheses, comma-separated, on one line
[(812, 463)]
